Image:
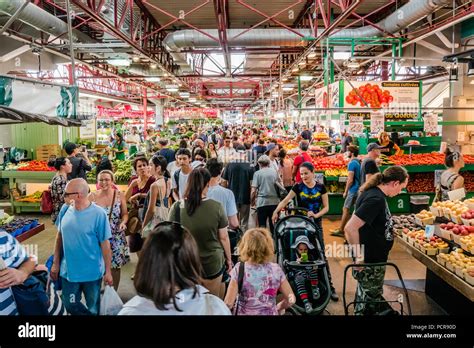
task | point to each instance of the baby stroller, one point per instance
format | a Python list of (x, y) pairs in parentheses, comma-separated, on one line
[(287, 230)]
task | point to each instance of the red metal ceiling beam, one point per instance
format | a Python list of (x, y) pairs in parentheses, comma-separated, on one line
[(221, 10), (304, 10), (268, 18), (164, 60), (323, 13)]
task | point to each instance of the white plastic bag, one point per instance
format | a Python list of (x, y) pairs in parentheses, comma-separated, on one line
[(110, 304)]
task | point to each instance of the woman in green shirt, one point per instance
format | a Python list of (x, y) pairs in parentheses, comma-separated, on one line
[(207, 222), (118, 147)]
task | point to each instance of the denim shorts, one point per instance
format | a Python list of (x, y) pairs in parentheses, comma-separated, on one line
[(350, 199)]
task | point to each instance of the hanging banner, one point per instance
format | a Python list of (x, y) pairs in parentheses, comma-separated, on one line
[(356, 124), (377, 122), (399, 100), (191, 113), (430, 123), (38, 98)]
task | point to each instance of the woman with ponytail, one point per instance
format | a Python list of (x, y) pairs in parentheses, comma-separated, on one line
[(58, 184), (207, 222), (451, 179), (370, 229)]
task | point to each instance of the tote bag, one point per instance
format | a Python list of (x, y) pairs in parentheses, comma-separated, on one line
[(160, 214)]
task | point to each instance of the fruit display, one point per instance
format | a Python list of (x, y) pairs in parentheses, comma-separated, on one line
[(459, 263), (467, 243), (468, 217), (469, 203), (403, 222), (11, 166), (320, 135), (18, 226), (6, 219), (327, 163), (336, 172), (431, 246), (373, 95), (335, 187), (36, 166), (424, 218), (421, 182), (468, 183), (385, 160), (434, 158), (451, 210), (33, 198)]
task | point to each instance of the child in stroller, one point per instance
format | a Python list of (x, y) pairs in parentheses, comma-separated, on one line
[(302, 245)]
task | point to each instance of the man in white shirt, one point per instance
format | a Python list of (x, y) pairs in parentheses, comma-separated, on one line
[(180, 176), (226, 153)]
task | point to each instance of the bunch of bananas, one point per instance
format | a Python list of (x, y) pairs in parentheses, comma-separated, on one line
[(336, 172), (385, 160)]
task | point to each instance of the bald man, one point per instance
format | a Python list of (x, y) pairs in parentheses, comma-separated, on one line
[(82, 256)]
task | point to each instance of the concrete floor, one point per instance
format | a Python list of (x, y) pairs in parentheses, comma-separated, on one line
[(413, 272)]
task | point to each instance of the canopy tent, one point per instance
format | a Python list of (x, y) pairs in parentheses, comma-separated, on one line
[(13, 116)]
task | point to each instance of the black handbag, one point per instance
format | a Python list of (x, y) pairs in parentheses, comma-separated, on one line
[(135, 242), (240, 282), (280, 190)]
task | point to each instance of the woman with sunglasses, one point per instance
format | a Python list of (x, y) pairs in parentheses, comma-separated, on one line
[(58, 184), (114, 204), (207, 222), (168, 277)]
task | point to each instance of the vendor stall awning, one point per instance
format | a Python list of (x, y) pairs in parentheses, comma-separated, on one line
[(13, 116)]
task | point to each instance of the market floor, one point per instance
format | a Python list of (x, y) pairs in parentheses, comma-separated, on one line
[(413, 272)]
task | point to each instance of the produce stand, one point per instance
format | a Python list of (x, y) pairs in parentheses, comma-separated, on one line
[(451, 292), (16, 177), (28, 234)]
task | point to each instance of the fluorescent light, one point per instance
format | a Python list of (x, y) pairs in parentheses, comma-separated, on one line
[(152, 79), (119, 62), (184, 94), (136, 59), (275, 94), (342, 55), (351, 64), (313, 54), (153, 66), (172, 88), (287, 87), (306, 78)]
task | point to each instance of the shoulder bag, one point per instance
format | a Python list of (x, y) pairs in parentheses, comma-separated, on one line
[(240, 283)]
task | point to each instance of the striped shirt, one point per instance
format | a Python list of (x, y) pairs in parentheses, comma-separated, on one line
[(14, 255)]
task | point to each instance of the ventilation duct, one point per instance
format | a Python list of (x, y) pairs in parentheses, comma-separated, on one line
[(41, 20)]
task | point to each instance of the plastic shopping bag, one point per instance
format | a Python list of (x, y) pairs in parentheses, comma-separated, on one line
[(110, 304)]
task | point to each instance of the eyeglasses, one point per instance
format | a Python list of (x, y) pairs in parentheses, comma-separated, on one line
[(66, 194)]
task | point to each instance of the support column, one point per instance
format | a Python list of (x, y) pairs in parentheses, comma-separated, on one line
[(145, 113)]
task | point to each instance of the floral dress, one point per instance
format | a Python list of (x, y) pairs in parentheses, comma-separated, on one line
[(58, 187), (259, 289), (118, 242)]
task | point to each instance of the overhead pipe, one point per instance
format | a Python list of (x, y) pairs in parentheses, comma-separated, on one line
[(40, 19)]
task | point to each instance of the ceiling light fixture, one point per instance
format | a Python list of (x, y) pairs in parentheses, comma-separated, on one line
[(172, 88), (118, 62), (306, 78), (136, 59), (287, 87), (152, 79), (153, 66)]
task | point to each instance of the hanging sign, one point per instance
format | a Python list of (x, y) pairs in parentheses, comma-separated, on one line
[(356, 124), (430, 123), (87, 130), (377, 122)]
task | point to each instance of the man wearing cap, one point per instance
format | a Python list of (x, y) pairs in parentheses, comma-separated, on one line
[(369, 166), (79, 160), (272, 152)]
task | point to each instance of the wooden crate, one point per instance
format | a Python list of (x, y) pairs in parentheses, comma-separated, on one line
[(44, 152)]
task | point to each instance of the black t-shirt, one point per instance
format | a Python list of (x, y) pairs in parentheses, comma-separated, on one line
[(368, 166), (377, 233), (239, 175), (79, 168), (387, 149)]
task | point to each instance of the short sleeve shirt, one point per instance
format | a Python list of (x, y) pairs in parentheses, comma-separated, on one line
[(225, 197), (309, 198)]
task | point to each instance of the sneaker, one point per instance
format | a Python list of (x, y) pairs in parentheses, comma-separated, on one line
[(337, 233), (334, 296), (316, 294), (308, 308)]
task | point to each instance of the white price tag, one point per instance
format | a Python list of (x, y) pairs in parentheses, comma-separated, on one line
[(2, 213), (430, 123), (377, 122), (429, 231)]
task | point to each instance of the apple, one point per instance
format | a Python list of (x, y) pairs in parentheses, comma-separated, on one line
[(443, 226), (456, 230), (450, 224), (470, 229), (468, 216)]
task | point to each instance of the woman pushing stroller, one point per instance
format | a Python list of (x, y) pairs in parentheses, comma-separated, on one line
[(313, 196)]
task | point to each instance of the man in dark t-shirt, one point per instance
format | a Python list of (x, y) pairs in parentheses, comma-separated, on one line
[(79, 160), (237, 176), (369, 165)]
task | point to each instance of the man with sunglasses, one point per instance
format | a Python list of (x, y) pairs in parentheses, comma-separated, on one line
[(82, 255)]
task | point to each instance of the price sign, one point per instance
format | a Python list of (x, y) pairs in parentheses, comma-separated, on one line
[(377, 122), (356, 124), (429, 231), (430, 123)]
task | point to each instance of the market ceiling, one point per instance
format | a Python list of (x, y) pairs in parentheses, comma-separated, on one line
[(222, 53)]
